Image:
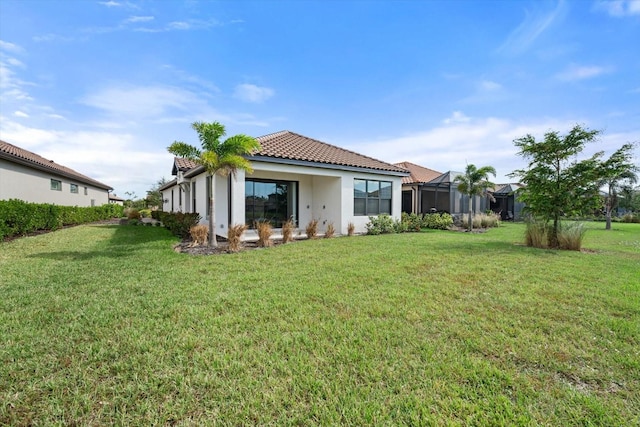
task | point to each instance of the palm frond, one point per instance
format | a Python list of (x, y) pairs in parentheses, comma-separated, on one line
[(182, 149)]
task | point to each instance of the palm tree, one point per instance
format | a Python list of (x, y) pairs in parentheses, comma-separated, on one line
[(474, 182), (217, 157)]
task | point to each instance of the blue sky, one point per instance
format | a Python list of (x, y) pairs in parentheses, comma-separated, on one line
[(105, 86)]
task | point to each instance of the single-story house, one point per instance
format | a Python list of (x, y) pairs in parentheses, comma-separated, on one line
[(32, 178), (293, 177), (415, 198)]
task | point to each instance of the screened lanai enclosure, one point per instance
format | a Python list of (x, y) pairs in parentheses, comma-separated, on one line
[(442, 195), (505, 202)]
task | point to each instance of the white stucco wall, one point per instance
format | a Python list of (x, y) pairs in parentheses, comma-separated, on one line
[(34, 186), (323, 194)]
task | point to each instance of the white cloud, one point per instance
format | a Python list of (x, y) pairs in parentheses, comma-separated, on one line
[(482, 141), (10, 47), (20, 114), (488, 85), (252, 93), (534, 24), (456, 117), (619, 8), (581, 72), (134, 19), (142, 101)]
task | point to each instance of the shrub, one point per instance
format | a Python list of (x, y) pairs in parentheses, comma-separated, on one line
[(288, 228), (180, 223), (145, 213), (399, 226), (199, 234), (312, 229), (351, 229), (132, 213), (330, 231), (570, 236), (382, 224), (629, 217), (264, 233), (437, 221), (412, 222), (234, 236), (18, 217)]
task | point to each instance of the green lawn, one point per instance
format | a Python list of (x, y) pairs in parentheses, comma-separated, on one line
[(107, 325)]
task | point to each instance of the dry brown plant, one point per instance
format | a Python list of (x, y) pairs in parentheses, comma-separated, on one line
[(265, 230), (288, 228), (312, 229), (351, 229), (199, 235), (330, 231), (234, 236)]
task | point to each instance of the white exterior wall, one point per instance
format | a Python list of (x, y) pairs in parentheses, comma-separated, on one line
[(323, 194), (34, 186)]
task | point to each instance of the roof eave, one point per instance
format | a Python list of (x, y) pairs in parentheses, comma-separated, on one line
[(332, 166), (57, 172)]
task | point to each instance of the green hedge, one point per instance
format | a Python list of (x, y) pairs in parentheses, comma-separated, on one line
[(18, 217), (177, 222)]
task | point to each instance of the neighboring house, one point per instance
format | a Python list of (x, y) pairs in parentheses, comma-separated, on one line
[(32, 178), (294, 177), (115, 200), (415, 196), (505, 202), (427, 190)]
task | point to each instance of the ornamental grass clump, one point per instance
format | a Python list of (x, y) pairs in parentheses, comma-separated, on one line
[(288, 227), (570, 236), (486, 220), (199, 235), (265, 230), (234, 236), (312, 229), (330, 231), (537, 234), (351, 229)]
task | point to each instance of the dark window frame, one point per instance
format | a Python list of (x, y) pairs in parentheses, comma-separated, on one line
[(372, 202), (292, 211)]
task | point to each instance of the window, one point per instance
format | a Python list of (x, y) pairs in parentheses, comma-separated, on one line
[(86, 191), (371, 197), (56, 185), (74, 188), (193, 194), (268, 200)]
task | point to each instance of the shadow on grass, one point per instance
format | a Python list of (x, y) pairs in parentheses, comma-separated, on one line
[(126, 242)]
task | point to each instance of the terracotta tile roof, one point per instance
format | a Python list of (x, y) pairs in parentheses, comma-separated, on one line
[(419, 174), (185, 164), (288, 145), (19, 155)]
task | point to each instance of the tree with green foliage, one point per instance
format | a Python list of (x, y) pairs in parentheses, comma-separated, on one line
[(217, 157), (557, 185), (474, 182), (617, 171), (154, 195)]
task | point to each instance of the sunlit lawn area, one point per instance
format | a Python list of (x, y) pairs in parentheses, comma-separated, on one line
[(104, 325)]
